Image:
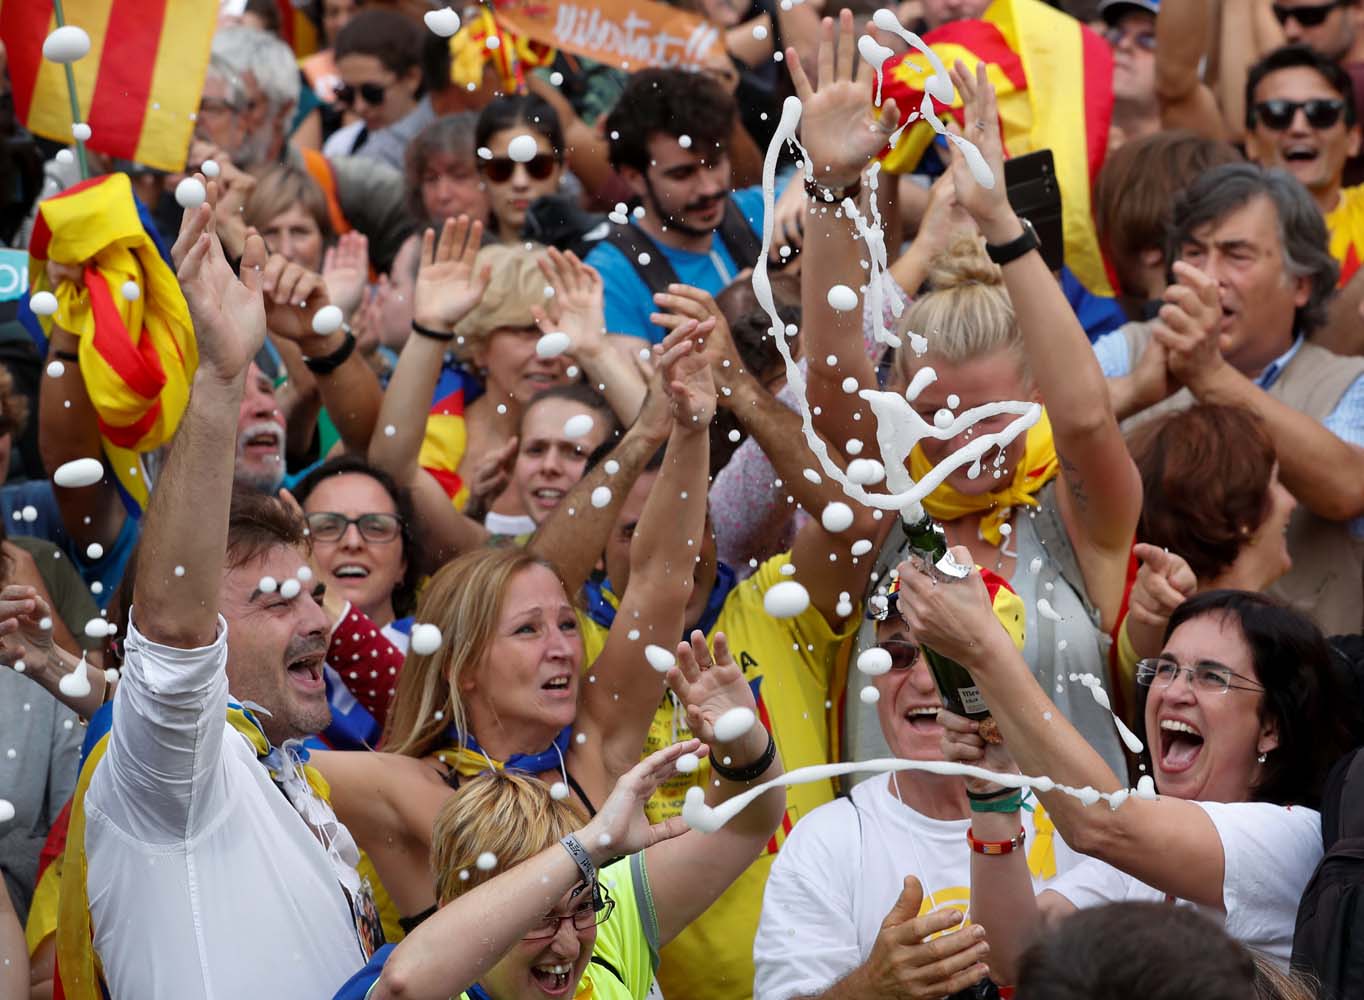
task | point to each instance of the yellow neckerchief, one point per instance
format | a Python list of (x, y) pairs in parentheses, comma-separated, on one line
[(1042, 853), (1039, 467), (78, 966)]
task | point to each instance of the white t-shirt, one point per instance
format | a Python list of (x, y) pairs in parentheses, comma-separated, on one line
[(827, 894), (1270, 853), (204, 881)]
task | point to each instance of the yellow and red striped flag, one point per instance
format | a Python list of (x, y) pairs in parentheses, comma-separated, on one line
[(297, 29), (1054, 81), (138, 86)]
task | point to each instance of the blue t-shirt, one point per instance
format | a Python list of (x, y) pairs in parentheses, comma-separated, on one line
[(629, 300)]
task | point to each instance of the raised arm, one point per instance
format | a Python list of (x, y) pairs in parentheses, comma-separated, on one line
[(579, 312), (1183, 38), (690, 873), (615, 711), (448, 287), (469, 934), (1102, 496), (574, 535), (956, 620), (24, 641)]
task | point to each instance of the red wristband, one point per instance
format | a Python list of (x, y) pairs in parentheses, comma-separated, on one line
[(996, 846)]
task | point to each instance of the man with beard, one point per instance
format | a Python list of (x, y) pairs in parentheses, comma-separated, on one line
[(669, 136)]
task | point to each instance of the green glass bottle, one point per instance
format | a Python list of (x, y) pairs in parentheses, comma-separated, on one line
[(955, 684)]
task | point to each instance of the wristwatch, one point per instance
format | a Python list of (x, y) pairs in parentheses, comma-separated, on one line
[(1015, 248)]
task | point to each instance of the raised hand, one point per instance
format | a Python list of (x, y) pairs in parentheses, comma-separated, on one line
[(577, 304), (228, 312), (449, 282), (988, 205), (1163, 583), (491, 475), (840, 127), (709, 687), (293, 295), (22, 637), (683, 304), (963, 744), (904, 965), (1187, 326), (621, 826), (687, 377), (952, 617), (345, 269)]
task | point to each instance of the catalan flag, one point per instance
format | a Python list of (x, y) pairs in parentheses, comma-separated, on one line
[(297, 28), (1054, 81), (138, 86), (1345, 224), (446, 436), (137, 356), (512, 54)]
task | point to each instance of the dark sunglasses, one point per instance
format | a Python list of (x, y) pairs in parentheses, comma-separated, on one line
[(1321, 112), (499, 169), (1144, 40), (372, 93), (1308, 17)]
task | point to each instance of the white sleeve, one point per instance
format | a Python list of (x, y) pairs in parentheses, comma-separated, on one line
[(1269, 852), (1093, 883), (807, 936), (161, 779)]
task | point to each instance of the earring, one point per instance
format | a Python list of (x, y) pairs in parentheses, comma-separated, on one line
[(1261, 759)]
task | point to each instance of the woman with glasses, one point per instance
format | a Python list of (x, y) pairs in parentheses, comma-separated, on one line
[(537, 900), (1245, 715), (513, 182)]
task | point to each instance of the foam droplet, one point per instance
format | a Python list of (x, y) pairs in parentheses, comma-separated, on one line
[(869, 695), (29, 513), (837, 516), (522, 148), (842, 298), (1045, 609), (861, 547), (6, 811), (688, 763), (443, 22), (759, 32), (79, 472), (601, 496), (80, 132), (556, 78), (190, 193), (210, 169), (289, 589), (76, 684), (1146, 787), (734, 723), (130, 291), (486, 862), (578, 425), (55, 369), (786, 599), (267, 585), (67, 44), (684, 141), (327, 320), (558, 791), (551, 345), (866, 471), (94, 551), (96, 628), (43, 303), (734, 436), (874, 661), (426, 639), (659, 658)]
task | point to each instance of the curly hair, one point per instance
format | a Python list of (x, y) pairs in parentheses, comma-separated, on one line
[(673, 102)]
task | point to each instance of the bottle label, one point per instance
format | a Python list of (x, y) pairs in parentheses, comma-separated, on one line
[(971, 700)]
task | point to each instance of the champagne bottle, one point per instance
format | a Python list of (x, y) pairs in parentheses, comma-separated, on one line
[(955, 684)]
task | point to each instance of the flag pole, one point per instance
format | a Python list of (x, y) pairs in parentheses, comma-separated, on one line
[(75, 101)]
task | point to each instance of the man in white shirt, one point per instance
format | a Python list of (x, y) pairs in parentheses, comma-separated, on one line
[(214, 870), (862, 881)]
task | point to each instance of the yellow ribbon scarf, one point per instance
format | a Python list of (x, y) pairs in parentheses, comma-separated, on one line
[(77, 964), (1039, 467)]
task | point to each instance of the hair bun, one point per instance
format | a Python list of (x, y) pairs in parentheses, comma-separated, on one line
[(964, 262)]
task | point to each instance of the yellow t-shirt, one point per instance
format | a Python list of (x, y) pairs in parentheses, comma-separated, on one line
[(790, 663), (1345, 226)]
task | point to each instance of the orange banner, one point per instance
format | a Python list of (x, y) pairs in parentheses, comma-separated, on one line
[(629, 34)]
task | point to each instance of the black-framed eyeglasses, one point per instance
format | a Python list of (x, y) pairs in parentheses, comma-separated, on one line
[(1144, 39), (1205, 677), (1307, 16), (329, 526), (903, 653), (1322, 112), (499, 169), (590, 912), (371, 93)]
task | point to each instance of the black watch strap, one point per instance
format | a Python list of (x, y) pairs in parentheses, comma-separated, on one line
[(328, 363), (1008, 252)]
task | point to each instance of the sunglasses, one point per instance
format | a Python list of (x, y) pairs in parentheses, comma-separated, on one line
[(1144, 40), (371, 93), (1322, 113), (499, 169), (1308, 17)]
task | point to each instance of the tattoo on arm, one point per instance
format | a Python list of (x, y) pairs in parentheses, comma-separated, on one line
[(1075, 483)]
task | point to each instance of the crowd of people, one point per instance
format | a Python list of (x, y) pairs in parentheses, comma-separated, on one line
[(503, 572)]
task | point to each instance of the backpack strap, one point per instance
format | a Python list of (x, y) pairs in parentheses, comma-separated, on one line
[(632, 241), (738, 236)]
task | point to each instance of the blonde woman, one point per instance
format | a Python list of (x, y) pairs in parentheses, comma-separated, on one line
[(531, 905)]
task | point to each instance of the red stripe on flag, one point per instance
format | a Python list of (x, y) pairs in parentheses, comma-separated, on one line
[(449, 480), (123, 86), (286, 21), (985, 40), (1348, 266), (130, 435), (449, 406), (1098, 76), (137, 364), (23, 26)]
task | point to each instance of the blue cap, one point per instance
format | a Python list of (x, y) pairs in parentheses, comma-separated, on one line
[(1112, 10)]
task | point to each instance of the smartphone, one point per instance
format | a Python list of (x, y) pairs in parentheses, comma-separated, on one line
[(1035, 195)]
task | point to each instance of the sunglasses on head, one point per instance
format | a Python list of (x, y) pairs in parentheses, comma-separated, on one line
[(372, 93), (1308, 17), (1278, 114), (499, 169)]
